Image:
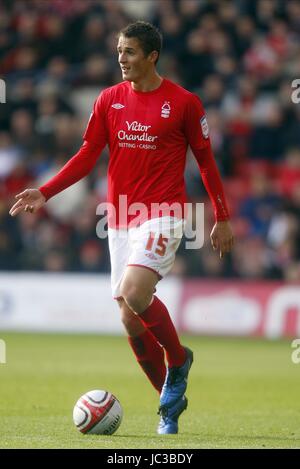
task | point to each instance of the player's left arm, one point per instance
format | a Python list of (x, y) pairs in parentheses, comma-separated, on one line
[(221, 235), (197, 134)]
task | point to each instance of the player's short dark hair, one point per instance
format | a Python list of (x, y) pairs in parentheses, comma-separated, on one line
[(149, 37)]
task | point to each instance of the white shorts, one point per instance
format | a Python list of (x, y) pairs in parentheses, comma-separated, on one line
[(152, 245)]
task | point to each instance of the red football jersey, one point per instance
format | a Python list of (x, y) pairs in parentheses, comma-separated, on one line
[(148, 134)]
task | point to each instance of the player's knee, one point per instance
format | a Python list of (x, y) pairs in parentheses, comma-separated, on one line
[(137, 299)]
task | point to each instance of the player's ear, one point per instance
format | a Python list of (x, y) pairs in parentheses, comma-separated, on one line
[(153, 56)]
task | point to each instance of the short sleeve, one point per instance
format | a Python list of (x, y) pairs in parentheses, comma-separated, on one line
[(96, 131), (195, 124)]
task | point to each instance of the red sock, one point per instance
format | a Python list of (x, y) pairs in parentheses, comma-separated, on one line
[(151, 357), (157, 319)]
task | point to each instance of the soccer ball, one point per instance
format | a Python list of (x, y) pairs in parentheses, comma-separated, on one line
[(97, 413)]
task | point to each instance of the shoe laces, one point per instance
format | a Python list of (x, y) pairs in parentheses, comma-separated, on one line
[(163, 411)]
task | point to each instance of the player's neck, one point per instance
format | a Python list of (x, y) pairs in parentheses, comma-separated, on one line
[(148, 83)]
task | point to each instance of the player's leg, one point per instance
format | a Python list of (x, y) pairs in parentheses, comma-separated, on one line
[(145, 347), (137, 289), (132, 323), (147, 350), (154, 245)]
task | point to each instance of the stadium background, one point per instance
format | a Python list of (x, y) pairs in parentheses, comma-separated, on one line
[(241, 58)]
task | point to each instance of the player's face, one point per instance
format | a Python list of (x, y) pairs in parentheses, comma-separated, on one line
[(134, 65)]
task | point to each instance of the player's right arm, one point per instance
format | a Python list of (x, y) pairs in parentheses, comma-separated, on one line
[(79, 166)]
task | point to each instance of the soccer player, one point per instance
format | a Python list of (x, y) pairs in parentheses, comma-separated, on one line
[(148, 123)]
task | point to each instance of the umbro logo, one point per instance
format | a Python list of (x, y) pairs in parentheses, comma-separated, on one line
[(150, 255), (117, 106)]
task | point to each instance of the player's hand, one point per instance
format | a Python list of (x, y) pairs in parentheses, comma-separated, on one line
[(29, 200), (222, 237)]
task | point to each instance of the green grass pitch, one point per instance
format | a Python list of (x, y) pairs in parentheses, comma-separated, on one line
[(242, 393)]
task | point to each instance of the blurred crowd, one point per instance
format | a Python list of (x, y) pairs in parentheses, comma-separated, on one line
[(239, 56)]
